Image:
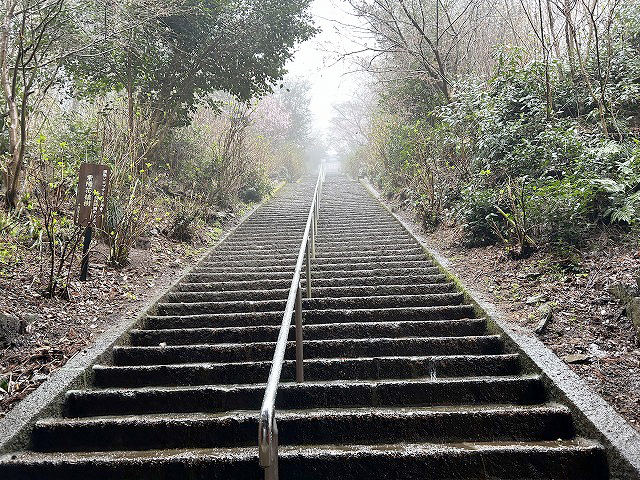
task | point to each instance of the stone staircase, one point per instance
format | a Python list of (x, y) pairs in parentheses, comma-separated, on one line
[(402, 381)]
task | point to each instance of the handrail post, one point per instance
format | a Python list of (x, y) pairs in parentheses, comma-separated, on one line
[(271, 471), (308, 270), (317, 209), (313, 236), (299, 353)]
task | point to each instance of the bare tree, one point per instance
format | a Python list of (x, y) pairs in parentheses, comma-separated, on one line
[(434, 41), (588, 32), (421, 37), (350, 123), (29, 36)]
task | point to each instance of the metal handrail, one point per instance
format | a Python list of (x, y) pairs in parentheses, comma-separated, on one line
[(268, 430)]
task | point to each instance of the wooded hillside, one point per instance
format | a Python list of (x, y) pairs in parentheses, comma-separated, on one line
[(517, 119)]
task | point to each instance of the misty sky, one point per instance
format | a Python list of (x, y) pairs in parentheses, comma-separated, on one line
[(331, 82)]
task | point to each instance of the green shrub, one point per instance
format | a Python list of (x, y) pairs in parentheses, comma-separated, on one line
[(256, 186), (129, 213), (464, 154), (620, 196), (477, 213), (560, 211), (184, 220)]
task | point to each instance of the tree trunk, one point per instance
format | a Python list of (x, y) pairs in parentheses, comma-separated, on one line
[(11, 173), (568, 37), (545, 53)]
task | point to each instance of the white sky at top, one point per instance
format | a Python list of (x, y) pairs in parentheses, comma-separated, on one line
[(331, 82)]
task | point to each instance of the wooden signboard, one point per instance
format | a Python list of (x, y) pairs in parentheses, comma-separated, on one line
[(93, 188)]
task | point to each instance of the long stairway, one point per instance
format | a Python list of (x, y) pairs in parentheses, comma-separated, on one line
[(402, 380)]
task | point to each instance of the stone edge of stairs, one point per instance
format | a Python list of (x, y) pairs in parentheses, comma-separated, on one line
[(593, 416), (46, 400)]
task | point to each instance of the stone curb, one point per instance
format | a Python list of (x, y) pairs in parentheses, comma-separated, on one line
[(47, 399), (593, 416)]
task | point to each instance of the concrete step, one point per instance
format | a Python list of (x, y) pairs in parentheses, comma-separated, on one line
[(346, 426), (372, 223), (359, 244), (381, 276), (268, 226), (239, 246), (369, 368), (577, 459), (267, 333), (267, 284), (342, 272), (343, 348), (391, 252), (251, 255), (260, 254), (188, 304), (274, 223), (265, 246), (373, 232), (252, 274), (232, 277), (355, 247), (346, 264), (288, 266), (521, 390), (356, 220), (261, 238), (372, 258), (375, 225), (249, 270), (317, 292), (366, 241), (238, 265), (290, 261), (447, 312)]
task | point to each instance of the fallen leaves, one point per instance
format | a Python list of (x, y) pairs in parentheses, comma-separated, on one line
[(58, 329)]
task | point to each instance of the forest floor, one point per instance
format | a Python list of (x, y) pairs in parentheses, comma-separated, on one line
[(56, 329), (588, 327)]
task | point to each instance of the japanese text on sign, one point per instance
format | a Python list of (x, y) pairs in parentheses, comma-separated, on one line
[(93, 186)]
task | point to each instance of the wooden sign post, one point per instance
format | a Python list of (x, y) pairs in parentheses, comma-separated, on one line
[(93, 188)]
